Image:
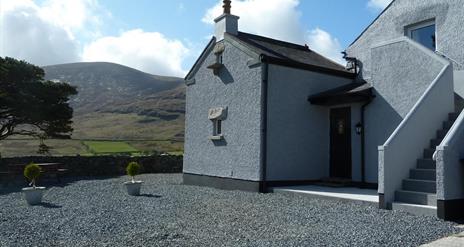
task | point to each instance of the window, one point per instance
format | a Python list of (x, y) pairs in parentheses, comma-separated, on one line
[(424, 34), (217, 115), (217, 131)]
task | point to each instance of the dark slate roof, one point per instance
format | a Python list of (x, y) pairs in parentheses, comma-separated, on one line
[(350, 93), (286, 51)]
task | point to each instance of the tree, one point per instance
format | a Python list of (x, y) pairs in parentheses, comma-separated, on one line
[(31, 105)]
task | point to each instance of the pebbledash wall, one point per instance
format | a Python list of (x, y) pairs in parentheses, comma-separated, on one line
[(237, 88), (448, 16), (392, 103), (298, 132)]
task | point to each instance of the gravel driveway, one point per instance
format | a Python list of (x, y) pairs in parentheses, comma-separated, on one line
[(99, 213)]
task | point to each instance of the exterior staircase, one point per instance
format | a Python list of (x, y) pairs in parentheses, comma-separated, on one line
[(419, 193)]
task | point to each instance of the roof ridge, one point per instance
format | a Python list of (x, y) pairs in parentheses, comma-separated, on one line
[(264, 38), (328, 59), (289, 45)]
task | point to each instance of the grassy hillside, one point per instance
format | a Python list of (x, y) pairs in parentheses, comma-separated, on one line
[(105, 84), (119, 103), (130, 126)]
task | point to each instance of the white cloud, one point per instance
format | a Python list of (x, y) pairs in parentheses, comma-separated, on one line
[(26, 34), (73, 15), (46, 34), (151, 52), (378, 4), (323, 43), (279, 19), (53, 32)]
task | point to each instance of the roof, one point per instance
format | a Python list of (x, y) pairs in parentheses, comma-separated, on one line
[(287, 51), (350, 93), (280, 53)]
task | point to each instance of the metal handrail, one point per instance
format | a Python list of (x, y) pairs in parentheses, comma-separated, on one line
[(449, 58)]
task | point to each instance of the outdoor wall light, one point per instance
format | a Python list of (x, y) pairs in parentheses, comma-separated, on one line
[(359, 128)]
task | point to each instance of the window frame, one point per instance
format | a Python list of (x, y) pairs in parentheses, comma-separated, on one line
[(217, 127), (409, 29)]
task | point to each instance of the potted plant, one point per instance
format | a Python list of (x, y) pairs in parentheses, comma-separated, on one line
[(133, 186), (33, 194)]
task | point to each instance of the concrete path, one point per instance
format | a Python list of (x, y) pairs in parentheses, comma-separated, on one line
[(456, 240), (346, 193)]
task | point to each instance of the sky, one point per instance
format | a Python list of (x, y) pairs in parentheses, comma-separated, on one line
[(165, 37)]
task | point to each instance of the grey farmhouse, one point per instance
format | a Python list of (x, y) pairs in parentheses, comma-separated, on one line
[(264, 113)]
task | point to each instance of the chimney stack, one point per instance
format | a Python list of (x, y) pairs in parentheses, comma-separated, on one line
[(226, 23), (227, 6)]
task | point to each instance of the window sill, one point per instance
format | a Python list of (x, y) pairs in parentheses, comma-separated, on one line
[(216, 138), (215, 66)]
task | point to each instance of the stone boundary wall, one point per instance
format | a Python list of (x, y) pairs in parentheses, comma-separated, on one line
[(103, 165)]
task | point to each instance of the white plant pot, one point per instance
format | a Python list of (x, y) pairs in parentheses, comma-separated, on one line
[(32, 195), (133, 188)]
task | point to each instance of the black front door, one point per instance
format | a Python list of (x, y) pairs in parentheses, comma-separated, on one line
[(340, 143)]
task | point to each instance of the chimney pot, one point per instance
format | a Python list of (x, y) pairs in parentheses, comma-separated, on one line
[(227, 6)]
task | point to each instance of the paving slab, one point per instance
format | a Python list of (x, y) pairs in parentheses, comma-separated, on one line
[(456, 240), (344, 193)]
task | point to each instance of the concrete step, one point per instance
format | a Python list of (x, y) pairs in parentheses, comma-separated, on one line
[(447, 125), (415, 209), (423, 174), (426, 186), (415, 197), (453, 116), (428, 153), (426, 164), (435, 142), (441, 134)]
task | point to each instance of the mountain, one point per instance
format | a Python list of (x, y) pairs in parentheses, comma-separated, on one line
[(118, 102)]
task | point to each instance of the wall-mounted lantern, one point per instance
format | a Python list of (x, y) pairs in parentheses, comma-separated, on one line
[(352, 63), (359, 128)]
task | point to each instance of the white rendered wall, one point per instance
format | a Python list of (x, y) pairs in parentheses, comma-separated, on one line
[(298, 132)]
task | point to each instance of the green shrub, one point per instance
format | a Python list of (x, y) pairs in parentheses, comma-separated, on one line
[(133, 169), (32, 172)]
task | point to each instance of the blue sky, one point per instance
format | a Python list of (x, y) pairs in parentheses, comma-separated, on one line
[(166, 36), (180, 18)]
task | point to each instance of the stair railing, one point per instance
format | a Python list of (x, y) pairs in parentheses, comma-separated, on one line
[(448, 157), (449, 58)]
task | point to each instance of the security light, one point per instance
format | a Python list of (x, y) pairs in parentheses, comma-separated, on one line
[(359, 128)]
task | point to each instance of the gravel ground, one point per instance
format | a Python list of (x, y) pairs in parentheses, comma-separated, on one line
[(99, 213)]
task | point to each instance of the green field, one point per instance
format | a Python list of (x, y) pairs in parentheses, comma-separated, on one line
[(109, 147), (28, 147)]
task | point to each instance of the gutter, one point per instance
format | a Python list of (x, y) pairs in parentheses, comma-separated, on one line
[(264, 105), (309, 67)]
